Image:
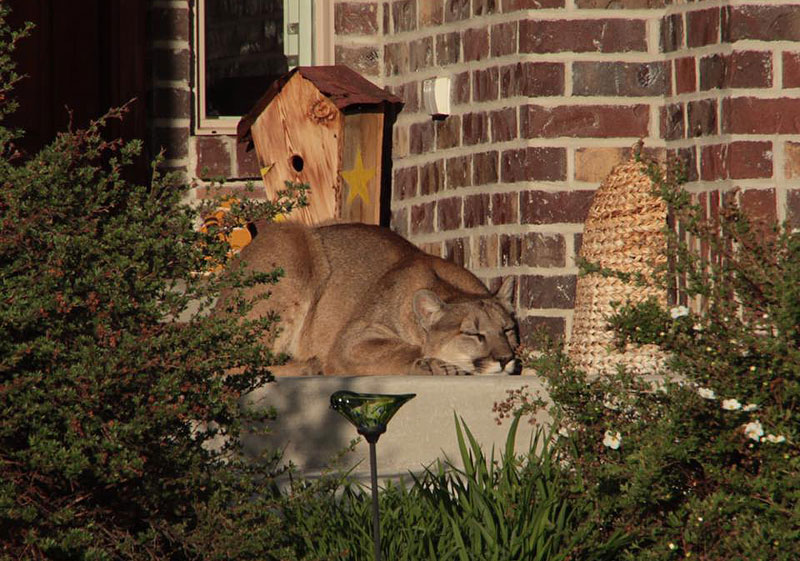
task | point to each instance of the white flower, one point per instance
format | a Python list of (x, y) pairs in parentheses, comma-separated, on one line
[(612, 439), (776, 439), (750, 407), (731, 404), (672, 546), (679, 312), (753, 430), (706, 393)]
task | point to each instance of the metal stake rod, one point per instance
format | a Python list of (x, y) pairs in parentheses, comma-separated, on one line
[(373, 471)]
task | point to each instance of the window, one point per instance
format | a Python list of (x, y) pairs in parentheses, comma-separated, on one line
[(243, 45)]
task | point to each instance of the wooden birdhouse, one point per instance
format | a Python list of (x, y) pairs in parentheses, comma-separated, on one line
[(330, 128)]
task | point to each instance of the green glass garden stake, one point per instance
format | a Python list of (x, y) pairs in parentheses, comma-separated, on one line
[(370, 413)]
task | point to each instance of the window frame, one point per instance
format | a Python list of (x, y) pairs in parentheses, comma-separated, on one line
[(321, 54)]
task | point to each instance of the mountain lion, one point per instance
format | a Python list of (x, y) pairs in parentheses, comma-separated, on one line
[(359, 299)]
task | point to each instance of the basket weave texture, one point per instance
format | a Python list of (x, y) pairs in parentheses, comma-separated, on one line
[(623, 232)]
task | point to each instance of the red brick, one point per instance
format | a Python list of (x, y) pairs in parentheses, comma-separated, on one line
[(546, 207), (213, 158), (533, 164), (448, 48), (791, 153), (431, 13), (595, 121), (793, 208), (534, 331), (457, 172), (510, 248), (246, 162), (395, 58), (485, 7), (475, 128), (461, 88), (750, 160), (620, 4), (487, 251), (363, 60), (405, 183), (702, 27), (759, 204), (514, 5), (420, 54), (543, 250), (504, 39), (702, 117), (404, 15), (540, 292), (476, 210), (409, 93), (621, 79), (714, 72), (764, 23), (750, 69), (747, 115), (449, 213), (351, 18), (532, 79), (671, 33), (485, 84), (421, 137), (456, 251), (505, 208), (791, 70), (685, 75), (173, 103), (672, 121), (476, 44), (399, 222), (431, 178), (422, 218), (169, 24), (504, 124), (448, 132), (169, 64), (714, 162), (455, 10), (484, 168), (583, 36)]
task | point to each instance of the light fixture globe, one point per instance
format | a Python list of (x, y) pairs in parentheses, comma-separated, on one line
[(368, 412)]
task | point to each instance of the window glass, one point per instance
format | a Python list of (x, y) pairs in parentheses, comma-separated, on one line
[(244, 53)]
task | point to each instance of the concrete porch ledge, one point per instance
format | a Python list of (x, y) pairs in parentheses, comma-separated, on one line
[(310, 433)]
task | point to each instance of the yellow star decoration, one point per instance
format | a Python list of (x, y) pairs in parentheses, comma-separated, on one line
[(357, 178)]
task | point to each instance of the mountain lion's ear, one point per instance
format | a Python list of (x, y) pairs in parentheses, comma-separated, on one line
[(505, 294), (427, 308)]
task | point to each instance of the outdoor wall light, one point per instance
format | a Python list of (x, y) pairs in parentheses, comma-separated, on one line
[(370, 413)]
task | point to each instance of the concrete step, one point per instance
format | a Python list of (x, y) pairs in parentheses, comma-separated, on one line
[(311, 434)]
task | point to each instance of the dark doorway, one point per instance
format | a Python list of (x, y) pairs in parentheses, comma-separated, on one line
[(83, 55)]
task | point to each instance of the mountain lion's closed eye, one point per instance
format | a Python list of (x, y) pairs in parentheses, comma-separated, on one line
[(360, 300)]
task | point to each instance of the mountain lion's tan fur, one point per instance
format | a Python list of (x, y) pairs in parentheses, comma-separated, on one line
[(359, 299)]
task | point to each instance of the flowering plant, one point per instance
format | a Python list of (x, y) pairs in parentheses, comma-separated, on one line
[(702, 460)]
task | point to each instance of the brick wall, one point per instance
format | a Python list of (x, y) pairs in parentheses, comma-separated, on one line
[(199, 157), (547, 96)]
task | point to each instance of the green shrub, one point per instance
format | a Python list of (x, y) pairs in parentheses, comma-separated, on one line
[(705, 465), (118, 425), (517, 508)]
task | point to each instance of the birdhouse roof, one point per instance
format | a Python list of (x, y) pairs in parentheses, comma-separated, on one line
[(343, 86)]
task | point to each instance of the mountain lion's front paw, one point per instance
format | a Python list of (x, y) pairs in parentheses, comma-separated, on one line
[(436, 367)]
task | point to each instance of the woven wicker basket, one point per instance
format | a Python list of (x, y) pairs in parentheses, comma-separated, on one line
[(623, 232)]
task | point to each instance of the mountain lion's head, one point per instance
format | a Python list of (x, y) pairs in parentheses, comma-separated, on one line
[(476, 335)]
